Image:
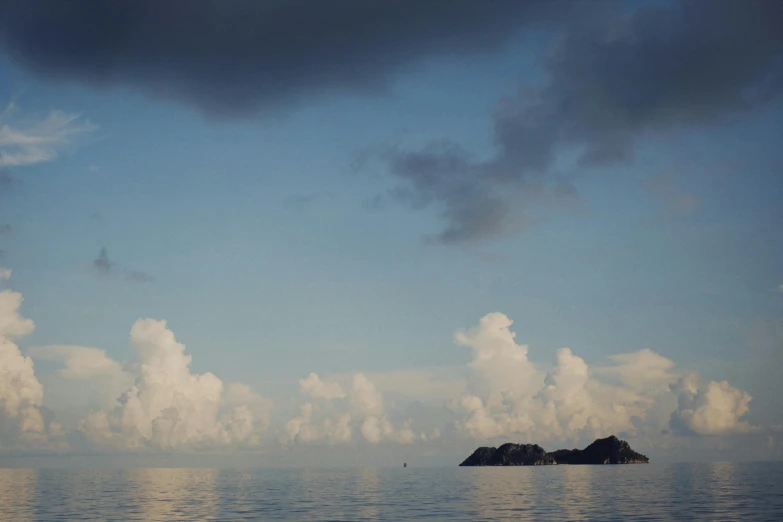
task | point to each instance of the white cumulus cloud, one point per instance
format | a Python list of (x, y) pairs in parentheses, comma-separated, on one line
[(169, 407), (334, 416), (508, 396), (81, 363), (86, 367), (500, 366), (155, 401), (22, 420), (709, 407), (314, 387)]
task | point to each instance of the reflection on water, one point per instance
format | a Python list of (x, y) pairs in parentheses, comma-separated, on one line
[(74, 492), (17, 491), (170, 494), (369, 490), (726, 497), (748, 491), (506, 492), (577, 483)]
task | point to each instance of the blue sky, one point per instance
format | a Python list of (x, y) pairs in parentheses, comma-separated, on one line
[(270, 255)]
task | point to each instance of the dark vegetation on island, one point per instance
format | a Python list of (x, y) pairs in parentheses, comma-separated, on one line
[(610, 450)]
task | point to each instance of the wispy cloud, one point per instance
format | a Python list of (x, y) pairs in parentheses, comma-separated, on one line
[(28, 141)]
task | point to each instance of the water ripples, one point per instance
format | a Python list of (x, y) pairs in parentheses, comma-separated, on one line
[(722, 491)]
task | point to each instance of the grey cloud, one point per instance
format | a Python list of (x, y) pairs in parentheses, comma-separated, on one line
[(478, 200), (610, 80), (7, 181), (102, 264), (666, 188), (611, 77), (139, 277), (240, 58), (299, 202), (443, 172), (670, 67)]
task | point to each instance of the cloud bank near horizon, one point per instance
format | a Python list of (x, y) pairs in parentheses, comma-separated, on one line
[(156, 403), (640, 393)]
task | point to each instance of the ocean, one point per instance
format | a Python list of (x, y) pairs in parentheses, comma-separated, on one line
[(703, 491)]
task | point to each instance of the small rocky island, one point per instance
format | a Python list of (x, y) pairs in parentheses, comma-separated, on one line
[(610, 450)]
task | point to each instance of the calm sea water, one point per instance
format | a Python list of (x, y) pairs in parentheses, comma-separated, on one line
[(724, 491)]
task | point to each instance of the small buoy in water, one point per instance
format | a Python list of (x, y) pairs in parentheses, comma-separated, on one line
[(404, 464)]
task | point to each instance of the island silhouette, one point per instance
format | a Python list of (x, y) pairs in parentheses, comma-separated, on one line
[(610, 450)]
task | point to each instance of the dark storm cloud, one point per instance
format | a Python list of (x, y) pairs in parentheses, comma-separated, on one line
[(611, 77), (610, 80), (241, 57)]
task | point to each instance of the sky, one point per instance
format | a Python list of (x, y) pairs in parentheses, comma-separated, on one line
[(361, 233)]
